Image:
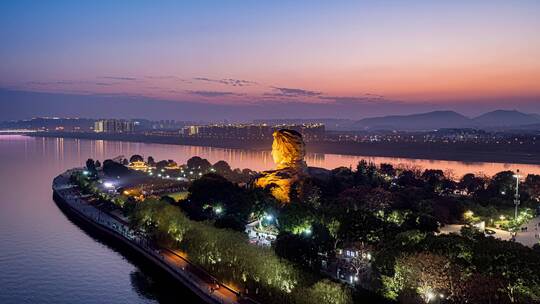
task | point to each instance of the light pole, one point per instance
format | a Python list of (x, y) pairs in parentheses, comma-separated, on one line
[(516, 196)]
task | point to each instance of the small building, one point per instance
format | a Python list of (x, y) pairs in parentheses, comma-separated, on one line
[(139, 166), (261, 235), (351, 265)]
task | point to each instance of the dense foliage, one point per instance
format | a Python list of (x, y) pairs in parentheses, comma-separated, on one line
[(228, 255), (395, 211)]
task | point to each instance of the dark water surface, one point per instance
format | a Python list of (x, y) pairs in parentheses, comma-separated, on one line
[(46, 258)]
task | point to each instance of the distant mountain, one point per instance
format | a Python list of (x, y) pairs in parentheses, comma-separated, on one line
[(505, 118), (499, 119), (424, 121)]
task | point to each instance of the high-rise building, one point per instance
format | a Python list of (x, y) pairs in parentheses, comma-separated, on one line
[(114, 126)]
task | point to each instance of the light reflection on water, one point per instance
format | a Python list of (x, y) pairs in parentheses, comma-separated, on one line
[(44, 258), (255, 160)]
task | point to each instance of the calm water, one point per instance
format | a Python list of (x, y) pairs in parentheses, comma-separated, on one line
[(45, 258)]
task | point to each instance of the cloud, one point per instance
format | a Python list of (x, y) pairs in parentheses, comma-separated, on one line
[(70, 82), (62, 82), (228, 81), (118, 78), (213, 93), (293, 92), (366, 98), (170, 77)]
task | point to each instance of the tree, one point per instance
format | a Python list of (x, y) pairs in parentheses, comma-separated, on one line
[(213, 190), (295, 218), (471, 183), (151, 161), (222, 167), (364, 226), (295, 248), (408, 178), (91, 167), (387, 169), (502, 185), (422, 275), (136, 158), (433, 179), (532, 186), (325, 292), (197, 163), (112, 168), (98, 164), (160, 165)]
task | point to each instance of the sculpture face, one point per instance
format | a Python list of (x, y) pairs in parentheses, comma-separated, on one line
[(288, 149)]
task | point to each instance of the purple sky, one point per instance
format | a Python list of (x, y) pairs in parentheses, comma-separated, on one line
[(216, 60)]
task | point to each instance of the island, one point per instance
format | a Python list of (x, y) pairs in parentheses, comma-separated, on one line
[(372, 234)]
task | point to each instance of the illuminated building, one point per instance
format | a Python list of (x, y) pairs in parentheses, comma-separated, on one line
[(114, 126), (139, 166), (251, 131)]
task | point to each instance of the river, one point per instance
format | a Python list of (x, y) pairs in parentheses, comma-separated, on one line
[(45, 258)]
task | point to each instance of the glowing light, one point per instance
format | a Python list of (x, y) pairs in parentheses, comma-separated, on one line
[(85, 172), (108, 185), (218, 210), (269, 217), (430, 295)]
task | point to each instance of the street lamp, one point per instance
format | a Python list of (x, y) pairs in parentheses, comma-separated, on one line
[(218, 210), (516, 195)]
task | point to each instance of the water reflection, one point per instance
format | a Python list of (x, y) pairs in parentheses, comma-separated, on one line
[(262, 160)]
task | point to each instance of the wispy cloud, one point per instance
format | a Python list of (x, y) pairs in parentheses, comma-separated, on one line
[(167, 77), (228, 81), (70, 83), (213, 93), (365, 98), (292, 92), (118, 78)]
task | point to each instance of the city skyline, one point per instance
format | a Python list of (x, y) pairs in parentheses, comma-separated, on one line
[(344, 60)]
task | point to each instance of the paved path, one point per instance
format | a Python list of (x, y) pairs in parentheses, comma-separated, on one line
[(174, 259), (527, 238), (530, 237)]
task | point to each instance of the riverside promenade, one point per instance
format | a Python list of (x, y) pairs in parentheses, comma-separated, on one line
[(191, 276)]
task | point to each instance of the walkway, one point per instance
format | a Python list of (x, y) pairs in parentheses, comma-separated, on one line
[(528, 238), (204, 282)]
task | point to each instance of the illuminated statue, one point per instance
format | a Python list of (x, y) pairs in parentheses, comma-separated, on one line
[(288, 151)]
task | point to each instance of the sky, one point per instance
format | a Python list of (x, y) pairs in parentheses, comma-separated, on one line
[(346, 59)]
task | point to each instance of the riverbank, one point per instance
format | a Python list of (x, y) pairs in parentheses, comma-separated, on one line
[(174, 263), (464, 152)]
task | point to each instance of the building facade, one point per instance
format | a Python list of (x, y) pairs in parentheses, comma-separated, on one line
[(114, 126), (310, 132)]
